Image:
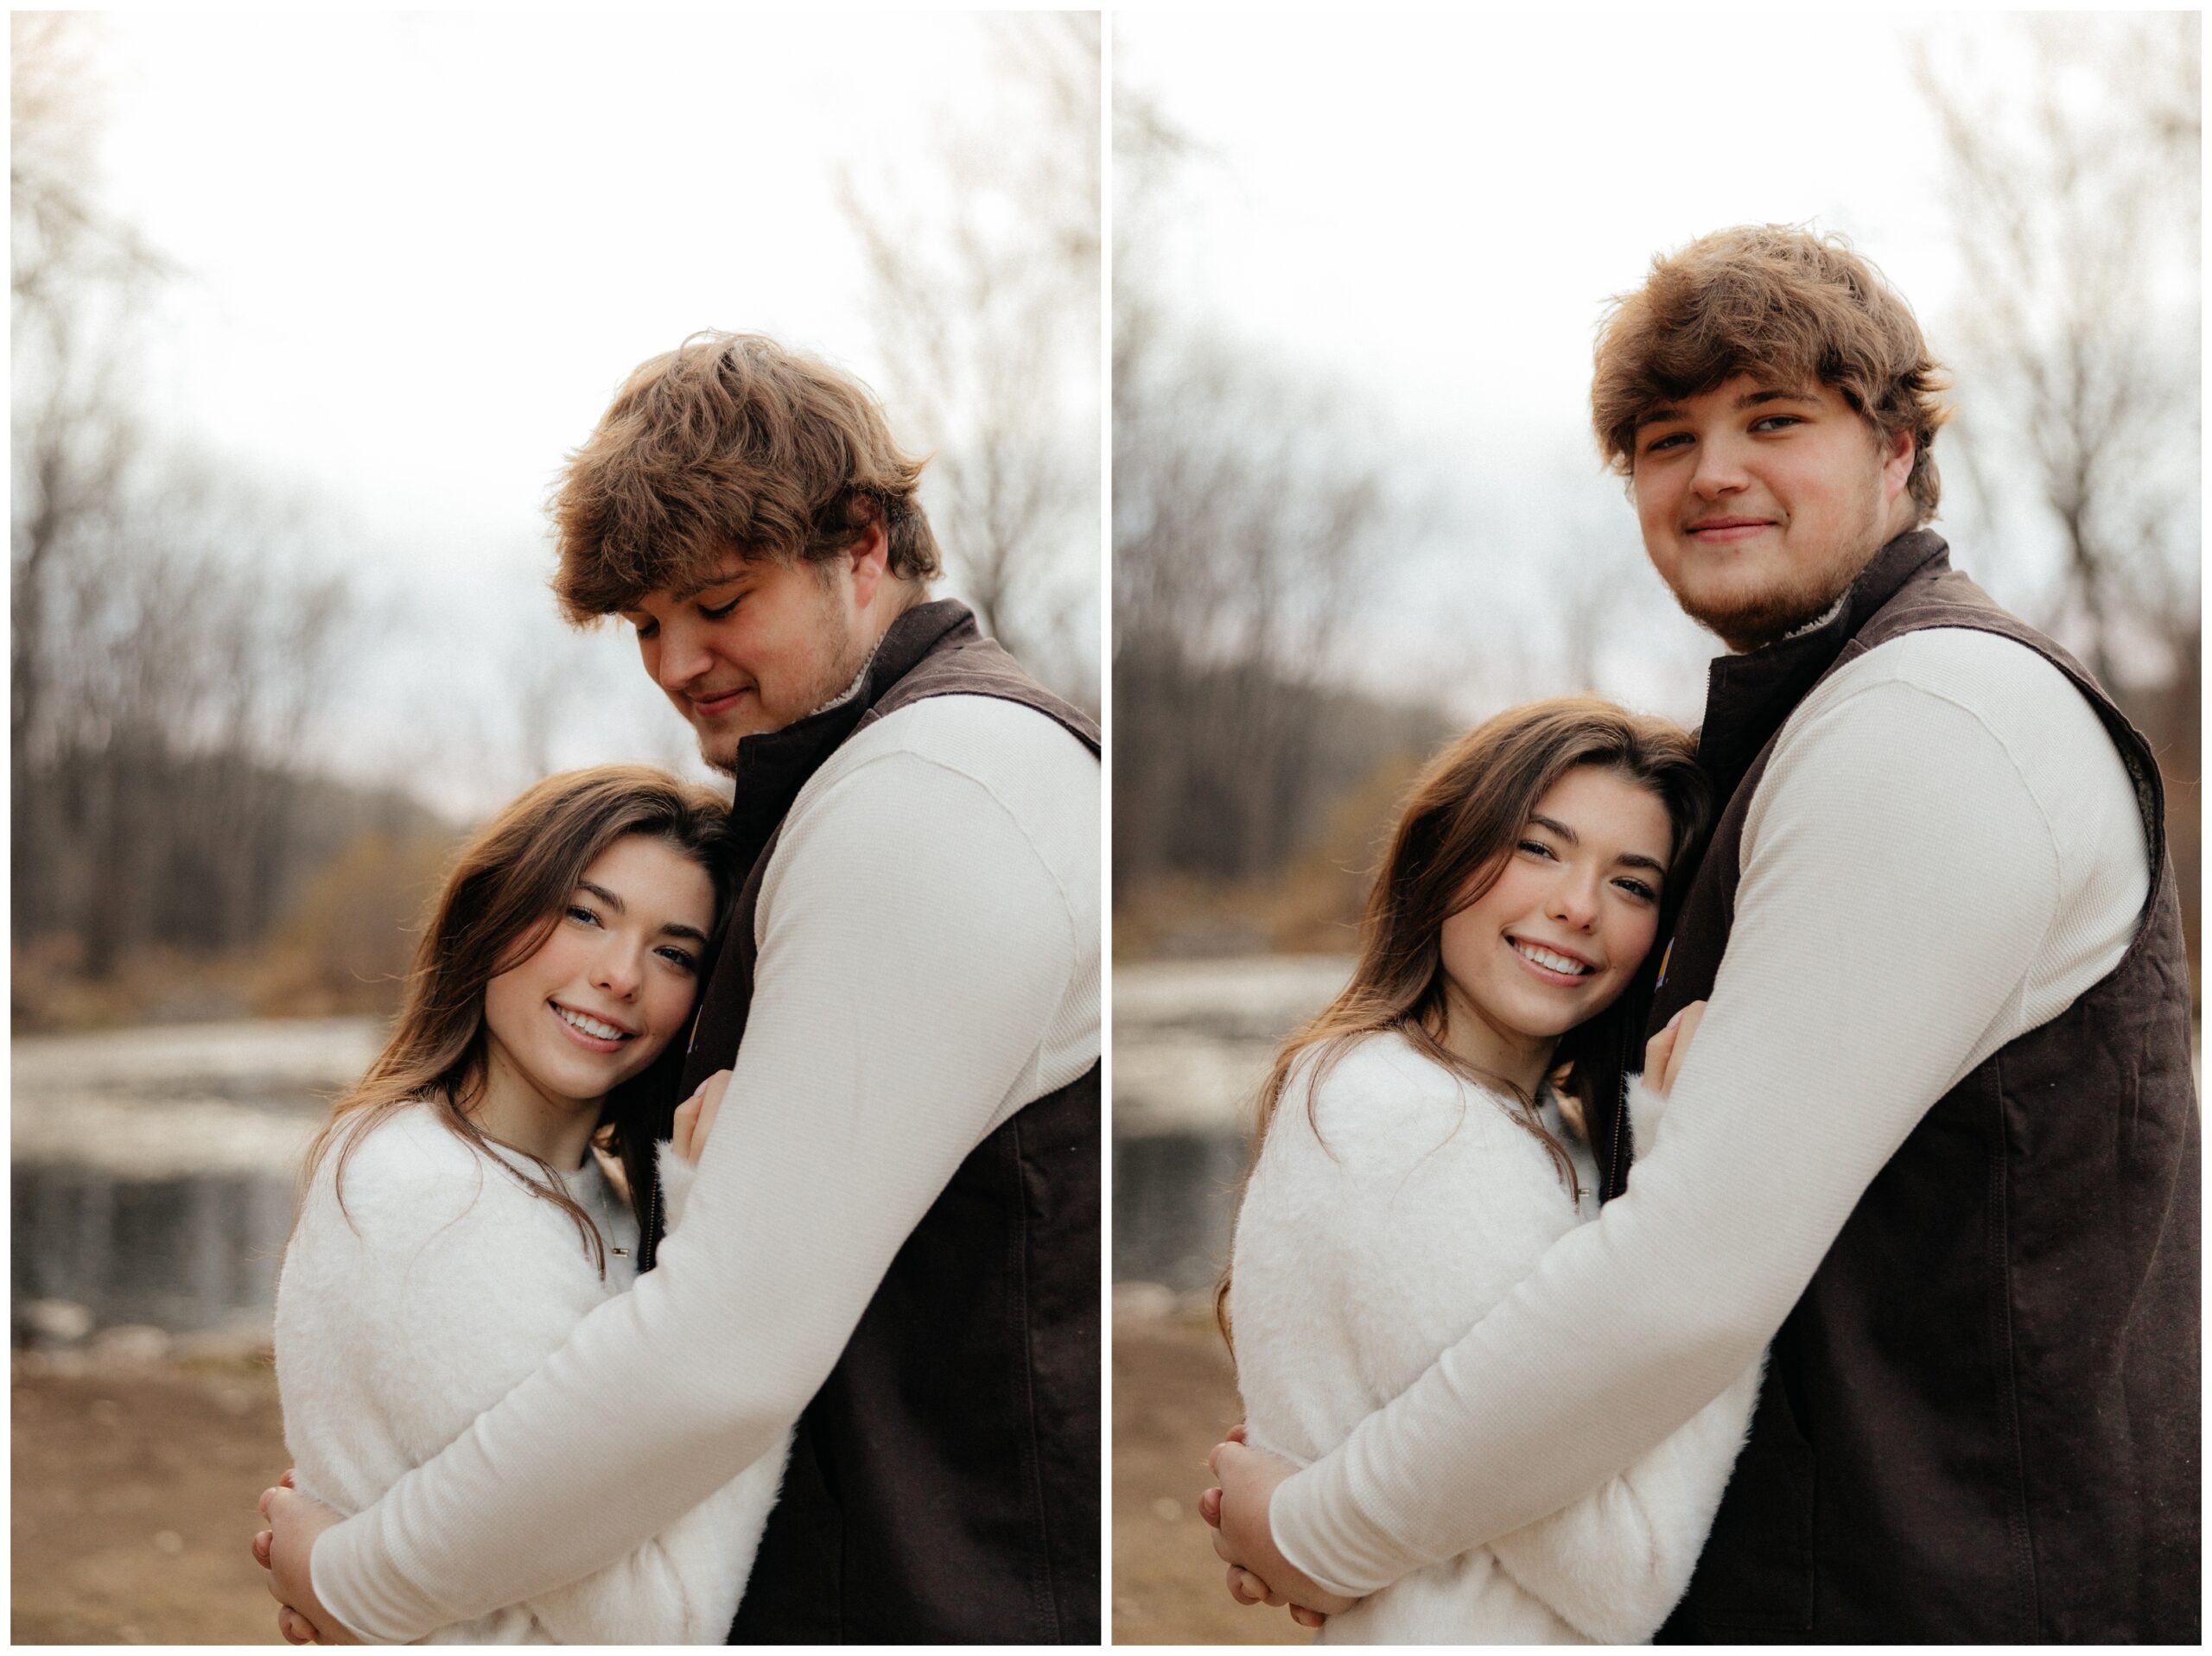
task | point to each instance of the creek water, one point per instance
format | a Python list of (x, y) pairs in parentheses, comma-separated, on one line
[(1192, 1043), (152, 1168)]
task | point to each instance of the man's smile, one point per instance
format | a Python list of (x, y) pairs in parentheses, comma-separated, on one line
[(1722, 531), (714, 705)]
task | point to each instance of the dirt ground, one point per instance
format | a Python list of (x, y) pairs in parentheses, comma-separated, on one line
[(133, 1503), (134, 1488), (1174, 1395)]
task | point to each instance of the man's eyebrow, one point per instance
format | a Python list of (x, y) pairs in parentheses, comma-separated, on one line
[(1633, 858), (1654, 417), (685, 595)]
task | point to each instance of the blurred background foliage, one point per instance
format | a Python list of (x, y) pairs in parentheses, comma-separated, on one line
[(1266, 503), (190, 835)]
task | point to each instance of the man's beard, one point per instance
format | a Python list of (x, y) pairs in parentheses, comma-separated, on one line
[(840, 654), (1765, 617), (1774, 616)]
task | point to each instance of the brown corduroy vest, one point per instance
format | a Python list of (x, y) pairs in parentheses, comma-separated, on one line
[(1979, 1422), (943, 1484)]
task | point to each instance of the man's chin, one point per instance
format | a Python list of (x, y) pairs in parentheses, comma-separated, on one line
[(1745, 627), (719, 751)]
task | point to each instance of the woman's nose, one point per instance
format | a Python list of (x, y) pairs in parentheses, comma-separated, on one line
[(617, 971), (1574, 905)]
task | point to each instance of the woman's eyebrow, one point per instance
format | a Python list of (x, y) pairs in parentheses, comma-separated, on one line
[(1633, 858), (673, 928)]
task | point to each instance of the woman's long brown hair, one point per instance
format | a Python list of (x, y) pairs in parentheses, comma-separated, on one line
[(1460, 820), (501, 902)]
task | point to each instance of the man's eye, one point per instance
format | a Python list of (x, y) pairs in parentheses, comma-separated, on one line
[(1672, 440), (646, 629), (716, 613), (1777, 421)]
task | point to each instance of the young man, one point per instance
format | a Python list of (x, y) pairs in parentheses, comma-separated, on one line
[(1936, 1136), (895, 1234)]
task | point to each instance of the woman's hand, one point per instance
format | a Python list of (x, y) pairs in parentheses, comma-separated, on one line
[(1664, 1053), (694, 1117), (1238, 1511), (284, 1549)]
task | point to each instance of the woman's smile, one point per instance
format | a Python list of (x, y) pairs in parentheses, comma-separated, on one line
[(1553, 965)]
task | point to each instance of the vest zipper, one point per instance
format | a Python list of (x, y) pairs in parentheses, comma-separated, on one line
[(648, 1243), (1609, 1182)]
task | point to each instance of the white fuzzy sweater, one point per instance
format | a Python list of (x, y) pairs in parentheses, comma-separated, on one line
[(450, 1285), (1374, 1234)]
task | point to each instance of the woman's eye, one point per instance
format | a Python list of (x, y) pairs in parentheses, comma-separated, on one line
[(676, 957), (578, 912), (1638, 888), (1536, 848)]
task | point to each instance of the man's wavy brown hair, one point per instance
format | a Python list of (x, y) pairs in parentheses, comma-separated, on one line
[(1785, 306), (730, 444)]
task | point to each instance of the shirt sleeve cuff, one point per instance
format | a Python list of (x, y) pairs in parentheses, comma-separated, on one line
[(676, 1178), (1646, 1104), (1294, 1520)]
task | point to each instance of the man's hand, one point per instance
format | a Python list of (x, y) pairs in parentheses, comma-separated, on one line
[(694, 1117), (283, 1549), (1258, 1573)]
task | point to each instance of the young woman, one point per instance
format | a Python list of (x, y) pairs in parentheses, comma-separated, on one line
[(1420, 1150), (456, 1221)]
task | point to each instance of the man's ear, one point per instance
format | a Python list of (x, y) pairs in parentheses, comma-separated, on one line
[(1897, 455), (870, 552)]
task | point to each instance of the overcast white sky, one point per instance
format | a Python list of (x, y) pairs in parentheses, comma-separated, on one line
[(1433, 210), (423, 250)]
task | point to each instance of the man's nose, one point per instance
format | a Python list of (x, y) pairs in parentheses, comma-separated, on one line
[(1719, 469), (682, 655)]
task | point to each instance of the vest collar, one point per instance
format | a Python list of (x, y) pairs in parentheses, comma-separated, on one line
[(1749, 696), (774, 766)]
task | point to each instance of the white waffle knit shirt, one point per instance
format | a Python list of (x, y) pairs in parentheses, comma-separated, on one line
[(1944, 853), (929, 933)]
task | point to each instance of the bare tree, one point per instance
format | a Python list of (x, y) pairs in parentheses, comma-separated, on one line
[(983, 273), (1250, 514), (171, 641), (2073, 167), (2072, 173)]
